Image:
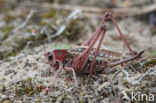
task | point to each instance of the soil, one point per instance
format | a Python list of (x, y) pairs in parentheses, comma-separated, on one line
[(24, 68)]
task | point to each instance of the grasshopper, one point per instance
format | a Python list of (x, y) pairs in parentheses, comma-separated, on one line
[(85, 58)]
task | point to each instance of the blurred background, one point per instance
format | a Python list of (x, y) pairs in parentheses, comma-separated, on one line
[(25, 24)]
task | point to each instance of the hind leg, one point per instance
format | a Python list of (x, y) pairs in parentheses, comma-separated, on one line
[(88, 42), (97, 50)]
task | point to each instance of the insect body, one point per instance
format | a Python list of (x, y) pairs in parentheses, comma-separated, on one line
[(85, 58), (104, 58), (67, 57)]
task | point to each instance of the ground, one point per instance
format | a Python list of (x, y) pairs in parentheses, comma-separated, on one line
[(24, 68)]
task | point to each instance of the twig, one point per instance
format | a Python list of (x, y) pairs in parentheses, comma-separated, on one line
[(132, 81), (98, 12), (24, 23)]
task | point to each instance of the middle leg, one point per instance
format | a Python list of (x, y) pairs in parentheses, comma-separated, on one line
[(71, 69)]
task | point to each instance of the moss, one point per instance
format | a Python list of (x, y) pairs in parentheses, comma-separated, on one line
[(154, 53), (7, 101), (7, 53), (82, 97), (6, 30), (17, 44), (51, 13), (26, 87), (60, 98), (75, 30), (8, 18), (10, 71), (3, 88), (149, 63)]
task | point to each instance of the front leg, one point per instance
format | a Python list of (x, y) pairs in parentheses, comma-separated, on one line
[(71, 69), (56, 76)]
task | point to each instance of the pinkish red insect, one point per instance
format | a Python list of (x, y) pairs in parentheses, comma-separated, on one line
[(83, 59)]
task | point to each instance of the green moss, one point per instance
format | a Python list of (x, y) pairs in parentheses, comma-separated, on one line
[(3, 88), (75, 30), (149, 63), (26, 87), (51, 13), (60, 98), (82, 97), (7, 53), (16, 45), (7, 101), (154, 53), (6, 30), (8, 18), (43, 23)]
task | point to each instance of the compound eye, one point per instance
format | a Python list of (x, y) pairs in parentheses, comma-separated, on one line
[(50, 57)]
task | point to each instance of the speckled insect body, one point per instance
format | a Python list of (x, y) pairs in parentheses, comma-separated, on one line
[(104, 56), (85, 58)]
